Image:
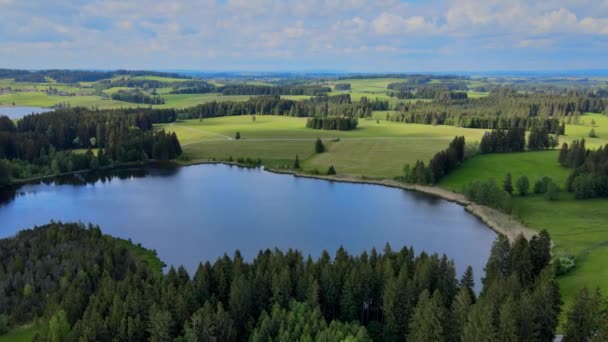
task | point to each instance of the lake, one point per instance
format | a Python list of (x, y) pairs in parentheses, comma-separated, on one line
[(19, 112), (198, 213)]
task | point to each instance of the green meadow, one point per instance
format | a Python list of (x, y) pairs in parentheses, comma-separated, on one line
[(373, 149), (21, 334), (577, 227)]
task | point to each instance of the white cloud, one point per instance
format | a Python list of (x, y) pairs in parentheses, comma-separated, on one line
[(208, 32), (534, 43), (391, 24)]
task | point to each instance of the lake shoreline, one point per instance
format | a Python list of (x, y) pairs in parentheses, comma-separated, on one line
[(495, 220)]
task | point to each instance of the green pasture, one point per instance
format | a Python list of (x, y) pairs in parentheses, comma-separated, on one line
[(21, 334), (373, 149), (577, 227)]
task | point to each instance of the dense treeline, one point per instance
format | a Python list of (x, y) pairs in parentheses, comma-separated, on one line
[(332, 123), (445, 90), (92, 287), (41, 144), (440, 165), (342, 86), (498, 140), (339, 105), (193, 87), (501, 111), (251, 89), (137, 96), (74, 76), (589, 178)]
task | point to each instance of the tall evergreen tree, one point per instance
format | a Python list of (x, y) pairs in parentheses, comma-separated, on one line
[(508, 184), (319, 147), (428, 319), (586, 317), (479, 326)]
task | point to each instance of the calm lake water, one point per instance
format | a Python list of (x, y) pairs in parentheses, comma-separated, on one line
[(198, 213), (19, 112)]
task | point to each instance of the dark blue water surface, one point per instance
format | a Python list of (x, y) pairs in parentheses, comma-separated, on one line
[(19, 112), (198, 213)]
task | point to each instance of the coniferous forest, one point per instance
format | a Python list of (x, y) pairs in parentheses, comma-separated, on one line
[(89, 286), (44, 144)]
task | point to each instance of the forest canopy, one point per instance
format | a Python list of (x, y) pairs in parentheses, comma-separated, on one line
[(101, 289)]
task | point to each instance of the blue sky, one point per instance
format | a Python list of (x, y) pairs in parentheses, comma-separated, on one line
[(264, 35)]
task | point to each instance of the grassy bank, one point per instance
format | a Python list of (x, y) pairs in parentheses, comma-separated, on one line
[(577, 227)]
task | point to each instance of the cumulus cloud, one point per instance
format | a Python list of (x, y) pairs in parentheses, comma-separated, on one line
[(221, 33)]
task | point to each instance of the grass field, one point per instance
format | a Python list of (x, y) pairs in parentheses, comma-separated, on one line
[(577, 227), (21, 334), (581, 130), (373, 149)]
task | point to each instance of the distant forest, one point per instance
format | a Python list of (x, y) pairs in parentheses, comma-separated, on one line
[(501, 110), (42, 144), (74, 76), (103, 290)]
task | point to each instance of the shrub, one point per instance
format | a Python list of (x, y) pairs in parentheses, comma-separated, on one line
[(237, 136), (541, 185), (490, 194), (563, 264), (523, 185), (331, 170), (552, 192)]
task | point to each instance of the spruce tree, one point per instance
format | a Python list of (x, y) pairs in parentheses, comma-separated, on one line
[(4, 173), (479, 327), (459, 312), (523, 185), (296, 163), (508, 184), (507, 321), (586, 316), (428, 319), (319, 147)]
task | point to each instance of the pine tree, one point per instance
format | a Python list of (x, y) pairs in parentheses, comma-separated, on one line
[(296, 163), (479, 327), (540, 251), (507, 322), (396, 306), (159, 325), (592, 133), (459, 312), (523, 185), (585, 317), (59, 326), (5, 178), (508, 184), (428, 318), (319, 147), (563, 155), (498, 264)]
